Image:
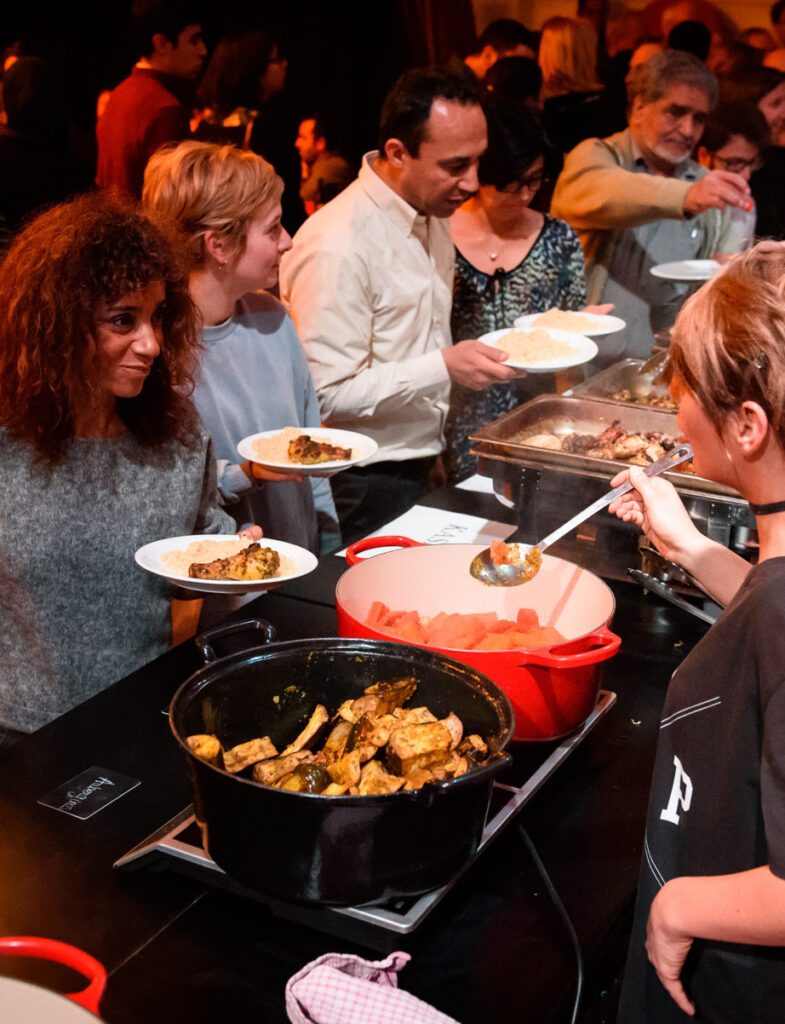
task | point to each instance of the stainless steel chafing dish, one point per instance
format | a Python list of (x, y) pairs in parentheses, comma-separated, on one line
[(625, 375), (541, 482)]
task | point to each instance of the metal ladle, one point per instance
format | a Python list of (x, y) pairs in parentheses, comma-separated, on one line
[(526, 558)]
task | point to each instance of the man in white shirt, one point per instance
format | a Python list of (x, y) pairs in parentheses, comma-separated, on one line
[(369, 284)]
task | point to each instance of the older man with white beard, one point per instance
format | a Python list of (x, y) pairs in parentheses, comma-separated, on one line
[(637, 199)]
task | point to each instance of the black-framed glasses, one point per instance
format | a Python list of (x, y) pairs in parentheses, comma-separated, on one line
[(530, 182), (737, 164)]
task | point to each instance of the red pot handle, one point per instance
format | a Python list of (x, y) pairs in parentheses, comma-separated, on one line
[(378, 542), (62, 953), (602, 644)]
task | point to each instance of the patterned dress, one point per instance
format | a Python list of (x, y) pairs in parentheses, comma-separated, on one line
[(551, 274)]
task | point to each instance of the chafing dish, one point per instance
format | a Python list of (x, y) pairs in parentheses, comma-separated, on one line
[(625, 375), (542, 483)]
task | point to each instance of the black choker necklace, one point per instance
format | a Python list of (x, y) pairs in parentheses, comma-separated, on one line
[(768, 510)]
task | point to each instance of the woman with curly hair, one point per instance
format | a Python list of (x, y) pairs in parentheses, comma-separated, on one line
[(100, 452)]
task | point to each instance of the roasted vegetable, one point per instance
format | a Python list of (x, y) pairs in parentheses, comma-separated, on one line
[(473, 748), (243, 754), (208, 748), (269, 772), (374, 780), (373, 746), (306, 778), (392, 694), (346, 772), (311, 732), (335, 744), (418, 746)]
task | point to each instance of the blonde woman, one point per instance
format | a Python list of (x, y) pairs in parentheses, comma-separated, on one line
[(710, 911), (574, 101), (253, 374)]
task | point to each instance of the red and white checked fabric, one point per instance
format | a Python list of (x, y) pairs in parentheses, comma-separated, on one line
[(344, 989)]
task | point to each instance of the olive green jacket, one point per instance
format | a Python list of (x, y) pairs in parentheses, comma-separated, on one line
[(600, 193)]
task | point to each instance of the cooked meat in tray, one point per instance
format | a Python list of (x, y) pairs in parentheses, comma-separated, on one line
[(623, 382), (587, 436)]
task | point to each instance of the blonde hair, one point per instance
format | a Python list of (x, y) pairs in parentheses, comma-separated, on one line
[(728, 343), (202, 187), (568, 56)]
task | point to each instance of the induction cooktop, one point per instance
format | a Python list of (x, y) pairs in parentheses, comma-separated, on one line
[(177, 846)]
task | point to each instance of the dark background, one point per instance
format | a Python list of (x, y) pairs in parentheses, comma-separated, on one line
[(343, 56)]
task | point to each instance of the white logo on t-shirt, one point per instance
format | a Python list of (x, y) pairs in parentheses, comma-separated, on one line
[(681, 794)]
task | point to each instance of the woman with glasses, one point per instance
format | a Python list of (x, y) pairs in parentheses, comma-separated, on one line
[(510, 260), (735, 139), (764, 87)]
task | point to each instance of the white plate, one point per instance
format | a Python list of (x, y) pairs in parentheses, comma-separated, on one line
[(362, 447), (584, 347), (149, 557), (601, 323), (686, 270), (24, 1003)]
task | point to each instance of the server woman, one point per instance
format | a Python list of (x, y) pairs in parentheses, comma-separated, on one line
[(711, 900)]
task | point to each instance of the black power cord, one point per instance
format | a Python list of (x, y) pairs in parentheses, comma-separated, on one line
[(560, 909)]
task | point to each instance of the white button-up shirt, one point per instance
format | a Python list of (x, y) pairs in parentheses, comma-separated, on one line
[(369, 285)]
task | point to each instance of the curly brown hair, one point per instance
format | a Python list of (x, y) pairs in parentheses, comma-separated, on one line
[(59, 269)]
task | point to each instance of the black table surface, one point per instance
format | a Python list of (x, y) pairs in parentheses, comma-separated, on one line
[(494, 949)]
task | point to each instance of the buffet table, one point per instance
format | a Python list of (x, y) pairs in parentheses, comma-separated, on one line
[(494, 948)]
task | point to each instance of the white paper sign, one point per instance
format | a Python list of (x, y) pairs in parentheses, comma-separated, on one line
[(435, 526), (480, 484)]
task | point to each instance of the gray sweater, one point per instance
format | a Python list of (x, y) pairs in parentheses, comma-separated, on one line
[(76, 612)]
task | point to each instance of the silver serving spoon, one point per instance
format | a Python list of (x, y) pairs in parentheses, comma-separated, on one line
[(527, 557)]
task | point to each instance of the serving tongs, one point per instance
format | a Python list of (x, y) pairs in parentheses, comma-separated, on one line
[(523, 560)]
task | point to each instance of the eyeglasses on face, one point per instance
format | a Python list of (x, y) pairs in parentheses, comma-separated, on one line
[(529, 183), (737, 164)]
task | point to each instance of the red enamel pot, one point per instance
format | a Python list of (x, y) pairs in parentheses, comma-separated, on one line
[(22, 1001), (553, 689)]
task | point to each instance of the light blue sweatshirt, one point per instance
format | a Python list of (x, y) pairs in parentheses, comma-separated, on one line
[(254, 376)]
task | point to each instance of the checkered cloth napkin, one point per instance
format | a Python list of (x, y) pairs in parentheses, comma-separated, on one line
[(343, 989)]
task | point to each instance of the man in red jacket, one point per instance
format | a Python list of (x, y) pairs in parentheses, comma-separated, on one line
[(147, 109)]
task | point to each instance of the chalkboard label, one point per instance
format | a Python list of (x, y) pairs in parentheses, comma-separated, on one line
[(89, 792)]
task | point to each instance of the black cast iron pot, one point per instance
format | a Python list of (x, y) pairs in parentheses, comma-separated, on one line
[(340, 850)]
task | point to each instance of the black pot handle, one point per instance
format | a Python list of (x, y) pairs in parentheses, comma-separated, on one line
[(205, 640)]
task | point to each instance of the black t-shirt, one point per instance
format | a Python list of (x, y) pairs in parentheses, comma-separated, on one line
[(717, 805)]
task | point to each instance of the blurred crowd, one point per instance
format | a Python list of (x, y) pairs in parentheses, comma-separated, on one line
[(573, 69)]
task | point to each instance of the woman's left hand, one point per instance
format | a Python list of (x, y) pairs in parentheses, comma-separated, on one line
[(601, 310), (276, 476), (668, 949), (251, 532)]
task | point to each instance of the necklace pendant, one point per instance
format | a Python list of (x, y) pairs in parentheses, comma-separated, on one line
[(493, 255)]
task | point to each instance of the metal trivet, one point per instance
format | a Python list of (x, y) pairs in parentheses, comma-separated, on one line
[(177, 845)]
